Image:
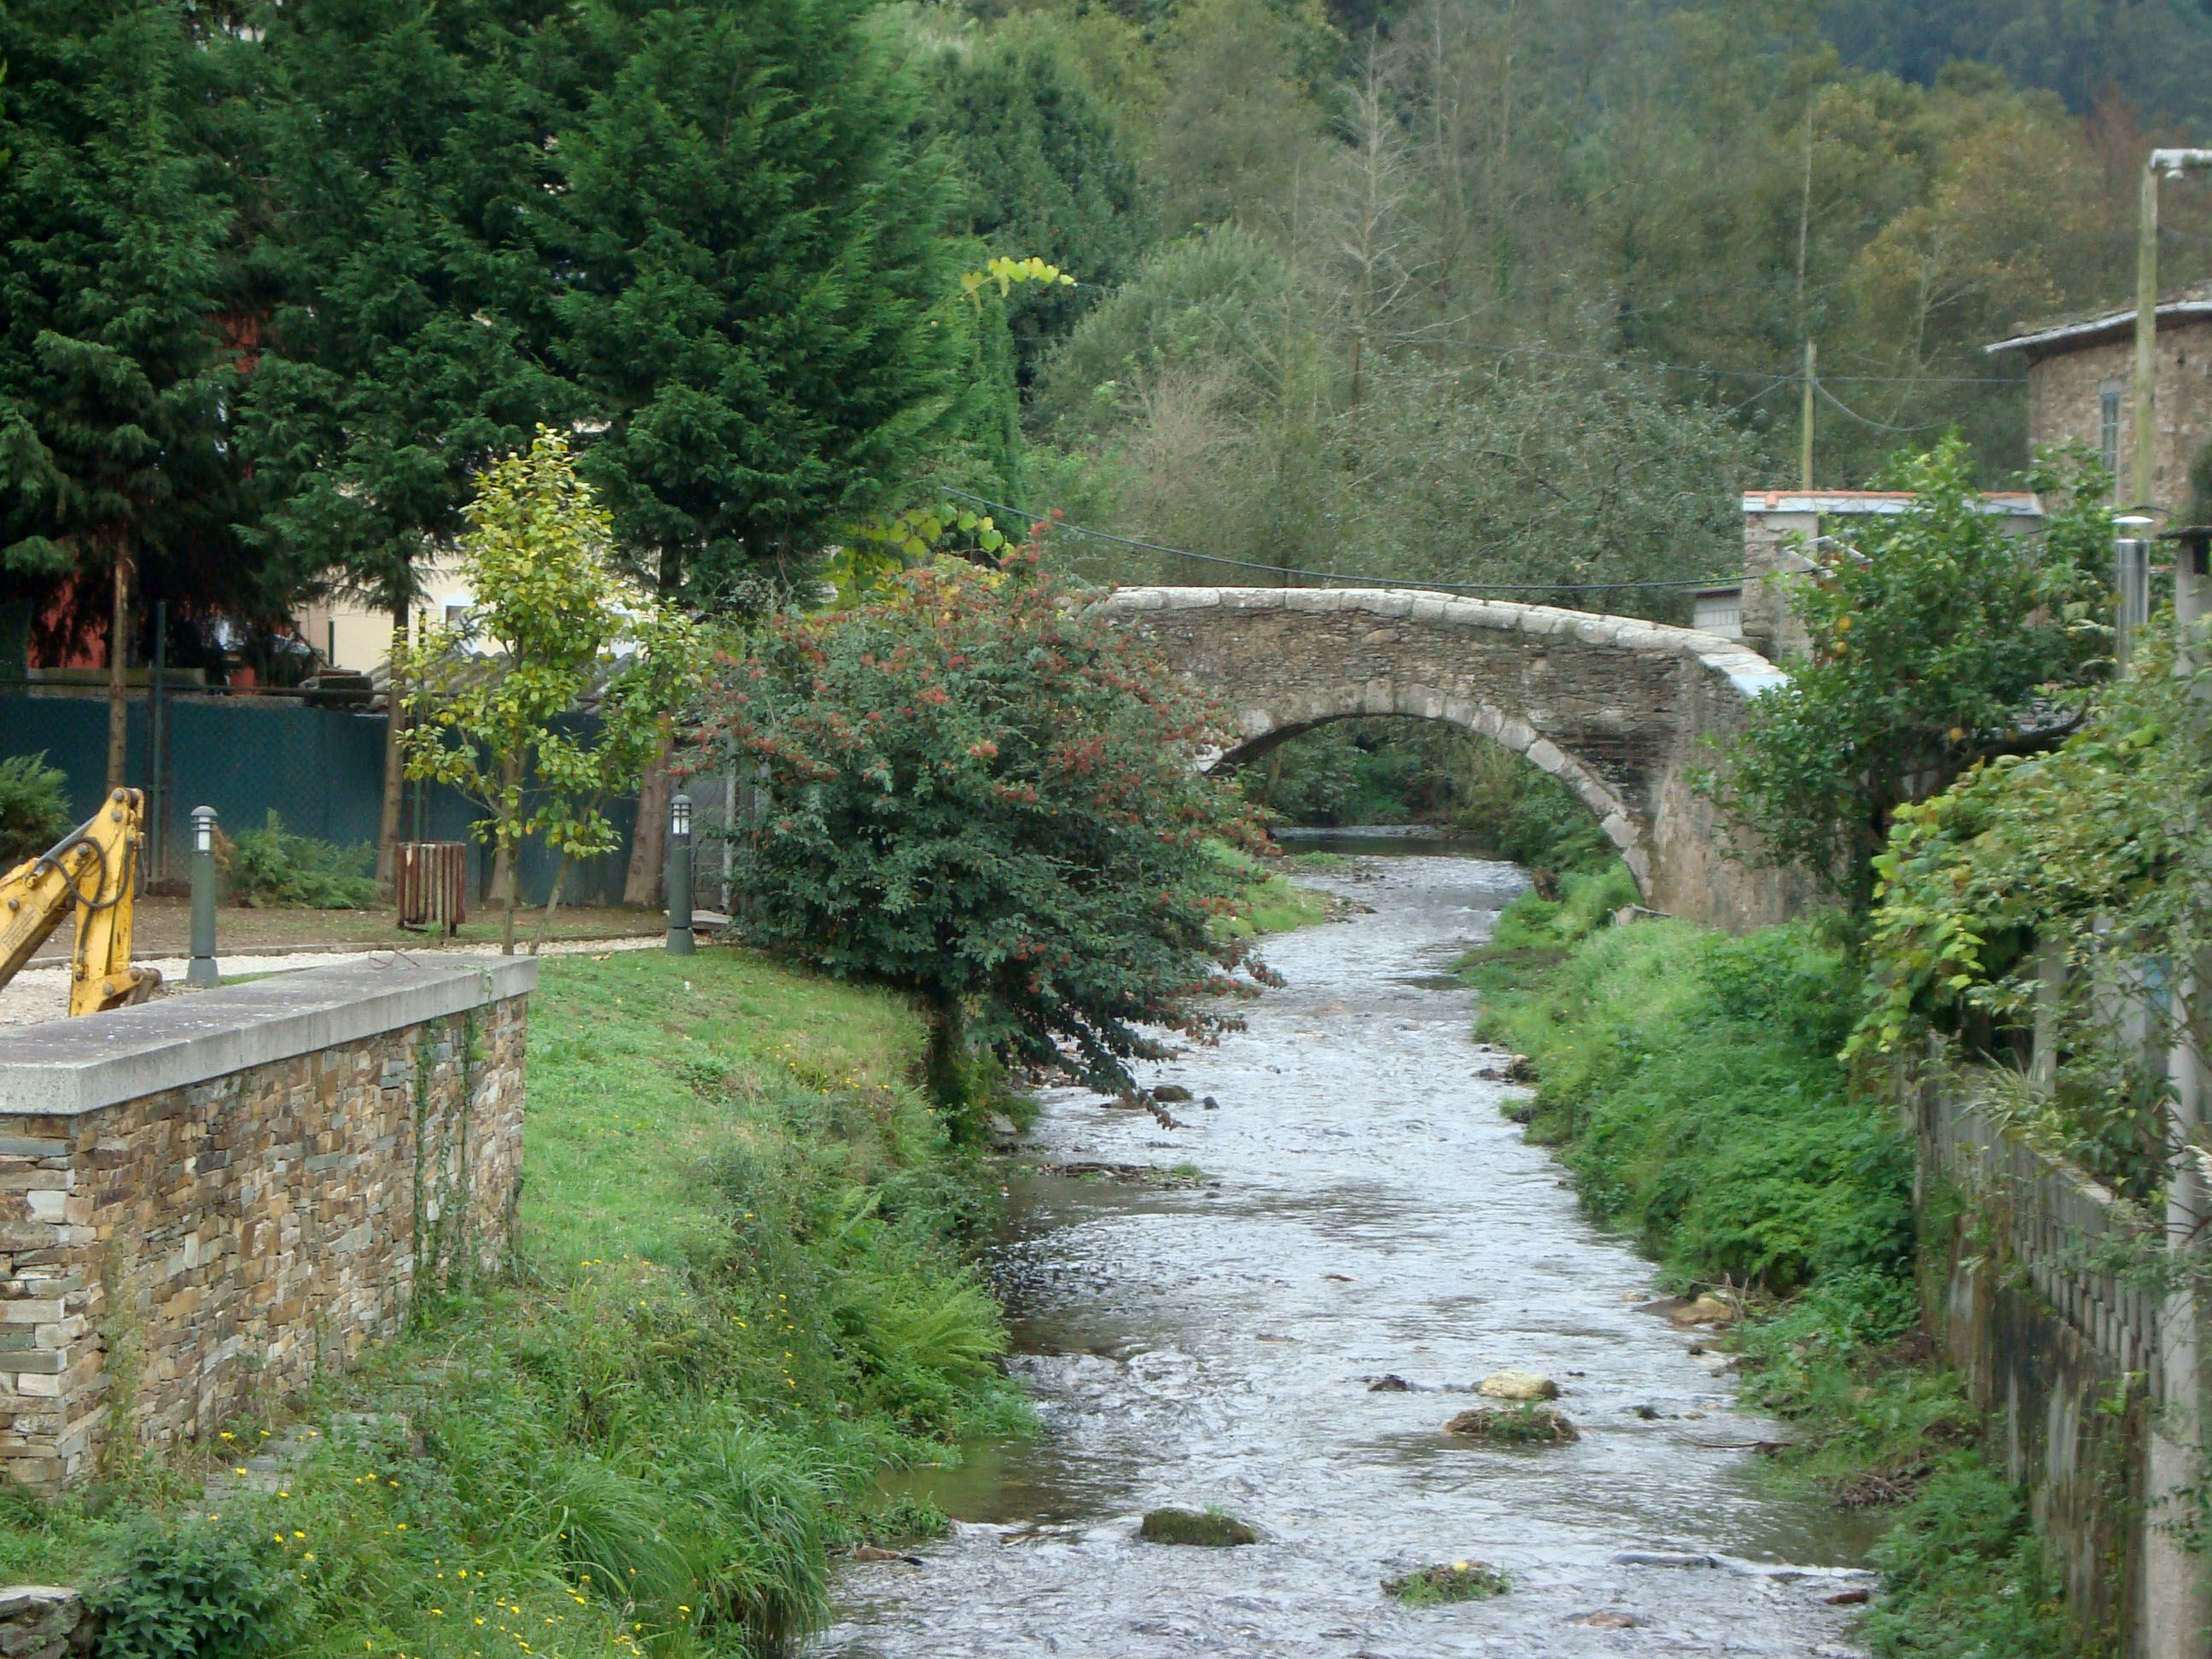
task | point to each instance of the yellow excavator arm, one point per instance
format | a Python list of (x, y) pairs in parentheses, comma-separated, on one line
[(93, 871)]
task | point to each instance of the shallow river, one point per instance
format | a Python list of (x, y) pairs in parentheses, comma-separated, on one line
[(1364, 1210)]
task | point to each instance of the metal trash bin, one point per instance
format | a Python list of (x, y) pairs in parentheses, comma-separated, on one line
[(430, 880)]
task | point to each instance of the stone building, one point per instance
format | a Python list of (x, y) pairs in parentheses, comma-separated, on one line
[(2079, 377), (1780, 527)]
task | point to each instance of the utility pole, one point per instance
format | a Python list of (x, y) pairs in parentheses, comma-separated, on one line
[(2143, 478), (1805, 422), (2177, 1598)]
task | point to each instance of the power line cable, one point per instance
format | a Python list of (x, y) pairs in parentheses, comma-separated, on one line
[(1322, 575), (1879, 425)]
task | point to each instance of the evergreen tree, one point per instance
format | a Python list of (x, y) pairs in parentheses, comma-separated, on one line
[(1048, 176), (758, 284), (114, 229), (406, 153)]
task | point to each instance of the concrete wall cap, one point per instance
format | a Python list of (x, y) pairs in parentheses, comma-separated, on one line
[(68, 1067)]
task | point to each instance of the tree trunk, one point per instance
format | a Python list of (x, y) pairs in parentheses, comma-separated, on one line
[(506, 871), (946, 1070), (119, 669), (395, 756), (649, 841)]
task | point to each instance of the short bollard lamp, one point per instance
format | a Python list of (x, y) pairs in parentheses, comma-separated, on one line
[(679, 876), (202, 971)]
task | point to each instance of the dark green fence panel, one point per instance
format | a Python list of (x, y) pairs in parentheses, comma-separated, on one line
[(321, 771)]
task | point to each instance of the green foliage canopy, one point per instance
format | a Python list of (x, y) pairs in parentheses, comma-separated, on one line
[(756, 273), (1938, 640), (114, 218), (410, 307)]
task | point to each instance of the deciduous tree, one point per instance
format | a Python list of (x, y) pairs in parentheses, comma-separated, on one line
[(1939, 639), (548, 621)]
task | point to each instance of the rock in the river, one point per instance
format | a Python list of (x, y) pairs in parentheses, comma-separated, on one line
[(1526, 1425), (1208, 1529), (1390, 1383), (1211, 1104), (1517, 1385), (1514, 1068), (1462, 1581), (1003, 1132), (1608, 1619), (1706, 1310), (1170, 1094)]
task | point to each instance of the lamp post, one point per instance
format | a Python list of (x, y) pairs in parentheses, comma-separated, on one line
[(2143, 464), (679, 876), (202, 971), (2131, 576)]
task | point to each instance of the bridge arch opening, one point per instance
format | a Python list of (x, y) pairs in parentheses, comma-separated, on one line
[(1481, 771)]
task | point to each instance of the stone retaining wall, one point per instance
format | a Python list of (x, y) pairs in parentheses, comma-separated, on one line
[(205, 1200), (2061, 1354)]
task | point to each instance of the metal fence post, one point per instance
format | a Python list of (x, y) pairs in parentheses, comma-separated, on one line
[(679, 876), (202, 971)]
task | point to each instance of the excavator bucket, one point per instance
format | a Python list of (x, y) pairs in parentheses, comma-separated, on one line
[(91, 872)]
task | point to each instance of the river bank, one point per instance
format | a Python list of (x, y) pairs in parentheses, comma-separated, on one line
[(742, 1291), (1688, 1081), (1274, 1305)]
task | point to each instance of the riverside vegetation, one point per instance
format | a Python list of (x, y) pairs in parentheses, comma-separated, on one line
[(1690, 1082), (742, 1291)]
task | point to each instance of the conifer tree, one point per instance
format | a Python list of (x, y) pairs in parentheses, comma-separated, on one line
[(758, 285), (113, 227), (406, 153)]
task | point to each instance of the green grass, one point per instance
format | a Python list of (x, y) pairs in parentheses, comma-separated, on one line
[(741, 1292), (641, 1067), (1459, 1581), (1690, 1082), (1268, 903)]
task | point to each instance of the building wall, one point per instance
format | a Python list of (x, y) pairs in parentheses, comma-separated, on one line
[(2062, 404), (1773, 563), (171, 1258), (351, 634)]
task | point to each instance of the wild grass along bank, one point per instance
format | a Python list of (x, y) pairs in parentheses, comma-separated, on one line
[(743, 1290), (1690, 1082)]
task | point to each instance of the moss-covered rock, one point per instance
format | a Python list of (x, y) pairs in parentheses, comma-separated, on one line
[(1208, 1529), (1531, 1424)]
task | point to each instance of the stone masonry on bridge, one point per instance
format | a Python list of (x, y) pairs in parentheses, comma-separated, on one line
[(1617, 708)]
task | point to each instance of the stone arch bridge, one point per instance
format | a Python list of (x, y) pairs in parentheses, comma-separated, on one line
[(1617, 708)]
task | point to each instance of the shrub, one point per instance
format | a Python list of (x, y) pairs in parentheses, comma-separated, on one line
[(271, 867), (985, 797), (191, 1590), (35, 810)]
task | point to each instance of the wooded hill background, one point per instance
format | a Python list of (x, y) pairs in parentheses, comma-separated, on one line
[(1474, 290)]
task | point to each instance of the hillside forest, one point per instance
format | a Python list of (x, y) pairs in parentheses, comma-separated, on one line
[(1509, 292)]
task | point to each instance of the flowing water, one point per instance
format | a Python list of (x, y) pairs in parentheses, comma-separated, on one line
[(1359, 1209)]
